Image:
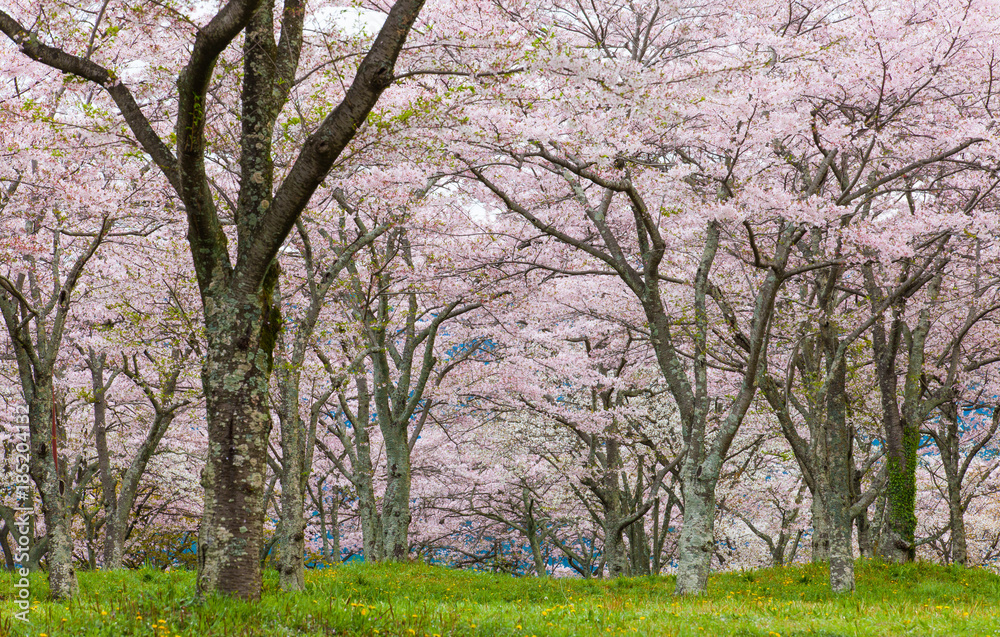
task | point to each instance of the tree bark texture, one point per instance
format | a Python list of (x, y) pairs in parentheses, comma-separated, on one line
[(235, 378)]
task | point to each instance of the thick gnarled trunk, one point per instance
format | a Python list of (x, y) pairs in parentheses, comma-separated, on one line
[(820, 540), (49, 473), (235, 379), (697, 541), (900, 516), (396, 504)]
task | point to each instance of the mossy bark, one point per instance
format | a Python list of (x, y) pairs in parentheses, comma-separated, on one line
[(49, 474), (697, 541), (241, 332), (901, 493)]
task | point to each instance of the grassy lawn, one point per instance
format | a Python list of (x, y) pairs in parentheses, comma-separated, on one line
[(419, 600)]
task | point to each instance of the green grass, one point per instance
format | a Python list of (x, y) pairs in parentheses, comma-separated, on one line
[(418, 600)]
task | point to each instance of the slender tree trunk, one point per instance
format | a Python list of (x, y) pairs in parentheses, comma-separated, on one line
[(956, 512), (112, 555), (661, 529), (865, 546), (638, 543), (610, 494), (317, 499), (363, 474), (371, 521), (335, 531), (835, 481), (536, 550), (532, 531), (292, 523), (638, 549), (956, 515)]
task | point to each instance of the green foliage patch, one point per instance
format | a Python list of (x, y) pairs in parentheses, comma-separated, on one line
[(418, 600)]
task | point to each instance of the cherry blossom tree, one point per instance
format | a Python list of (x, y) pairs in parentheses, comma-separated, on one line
[(241, 319)]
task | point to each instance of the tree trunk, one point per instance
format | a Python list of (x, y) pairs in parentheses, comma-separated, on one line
[(956, 514), (51, 483), (317, 499), (363, 474), (396, 505), (865, 546), (615, 557), (335, 531), (821, 532), (112, 555), (956, 511), (661, 529), (58, 524), (697, 541), (835, 502), (836, 476), (902, 425), (292, 523), (532, 531), (901, 519), (841, 553), (536, 551), (638, 549), (235, 379)]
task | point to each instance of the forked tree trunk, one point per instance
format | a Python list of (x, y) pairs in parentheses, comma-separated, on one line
[(112, 554), (638, 549), (902, 419)]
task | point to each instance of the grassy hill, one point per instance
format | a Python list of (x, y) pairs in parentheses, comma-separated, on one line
[(415, 600)]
